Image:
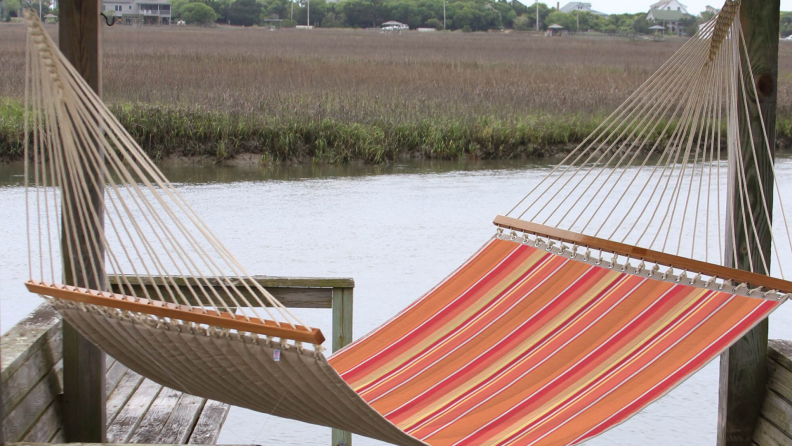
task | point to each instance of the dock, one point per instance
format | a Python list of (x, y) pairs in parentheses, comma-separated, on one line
[(137, 410)]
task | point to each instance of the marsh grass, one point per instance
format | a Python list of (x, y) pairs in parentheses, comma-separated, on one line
[(340, 95)]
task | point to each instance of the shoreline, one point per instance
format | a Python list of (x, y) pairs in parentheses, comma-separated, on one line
[(178, 136)]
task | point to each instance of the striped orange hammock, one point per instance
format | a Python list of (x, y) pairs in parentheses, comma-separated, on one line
[(586, 306)]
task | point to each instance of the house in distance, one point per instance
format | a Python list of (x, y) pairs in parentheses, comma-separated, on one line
[(668, 13), (143, 12)]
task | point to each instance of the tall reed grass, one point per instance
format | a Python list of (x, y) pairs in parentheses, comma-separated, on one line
[(340, 95)]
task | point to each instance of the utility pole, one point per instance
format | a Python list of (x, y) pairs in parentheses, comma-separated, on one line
[(537, 15), (743, 367), (291, 16), (308, 20), (444, 17)]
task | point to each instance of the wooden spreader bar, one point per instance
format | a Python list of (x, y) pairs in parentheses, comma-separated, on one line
[(180, 312), (753, 280)]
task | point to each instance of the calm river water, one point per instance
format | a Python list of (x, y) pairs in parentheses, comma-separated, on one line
[(397, 230)]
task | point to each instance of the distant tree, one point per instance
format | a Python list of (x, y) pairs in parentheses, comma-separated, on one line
[(333, 20), (689, 25), (177, 6), (706, 16), (9, 7), (318, 11), (466, 29), (641, 25), (786, 24), (434, 23), (560, 18), (244, 12), (523, 23), (198, 13)]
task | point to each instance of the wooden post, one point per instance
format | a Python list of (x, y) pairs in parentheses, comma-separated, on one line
[(743, 373), (84, 415), (342, 336)]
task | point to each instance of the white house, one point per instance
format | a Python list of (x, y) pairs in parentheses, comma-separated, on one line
[(670, 5), (580, 6), (149, 11)]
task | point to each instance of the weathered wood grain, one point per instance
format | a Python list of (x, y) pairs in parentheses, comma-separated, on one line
[(769, 435), (342, 336), (182, 420), (41, 362), (777, 411), (104, 444), (47, 425), (80, 40), (155, 417), (114, 375), (207, 428), (24, 339), (122, 393), (58, 437), (781, 352), (130, 416), (22, 418), (743, 369), (779, 380)]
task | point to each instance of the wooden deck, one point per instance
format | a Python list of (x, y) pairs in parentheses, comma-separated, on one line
[(142, 411), (138, 410), (774, 427)]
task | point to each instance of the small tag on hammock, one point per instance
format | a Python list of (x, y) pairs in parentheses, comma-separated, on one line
[(276, 355)]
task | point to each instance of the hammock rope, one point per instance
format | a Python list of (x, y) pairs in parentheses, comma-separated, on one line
[(578, 313)]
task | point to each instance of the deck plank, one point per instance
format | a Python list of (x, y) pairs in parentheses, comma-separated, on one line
[(767, 434), (114, 375), (207, 428), (47, 425), (123, 392), (156, 416), (133, 412), (180, 425)]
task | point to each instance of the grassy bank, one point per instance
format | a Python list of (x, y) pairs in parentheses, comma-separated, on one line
[(165, 131), (340, 95)]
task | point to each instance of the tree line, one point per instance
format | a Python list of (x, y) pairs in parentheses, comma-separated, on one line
[(467, 15)]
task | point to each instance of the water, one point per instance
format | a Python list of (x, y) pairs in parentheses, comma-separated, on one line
[(397, 230)]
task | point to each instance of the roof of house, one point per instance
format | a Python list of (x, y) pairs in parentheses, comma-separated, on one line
[(393, 23), (555, 26), (665, 2), (662, 14), (572, 6)]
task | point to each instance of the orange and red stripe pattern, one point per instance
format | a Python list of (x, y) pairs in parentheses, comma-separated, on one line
[(523, 347)]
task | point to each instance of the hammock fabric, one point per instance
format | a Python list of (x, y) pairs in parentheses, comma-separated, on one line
[(521, 346), (536, 340)]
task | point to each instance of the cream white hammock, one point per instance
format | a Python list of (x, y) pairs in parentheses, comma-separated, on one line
[(562, 326)]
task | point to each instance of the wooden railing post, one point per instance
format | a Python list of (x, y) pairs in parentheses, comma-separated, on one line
[(342, 336), (743, 368), (84, 416)]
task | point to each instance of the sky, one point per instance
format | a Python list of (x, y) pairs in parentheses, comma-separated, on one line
[(633, 6)]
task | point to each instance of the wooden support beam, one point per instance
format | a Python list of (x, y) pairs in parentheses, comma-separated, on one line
[(293, 292), (342, 336), (79, 35), (743, 373)]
